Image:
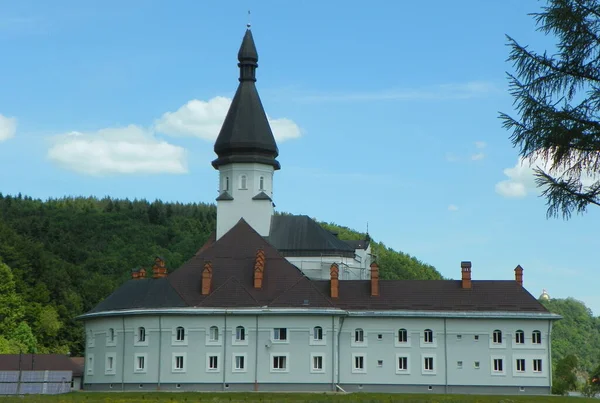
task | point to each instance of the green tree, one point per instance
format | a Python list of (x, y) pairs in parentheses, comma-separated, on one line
[(25, 339), (557, 99), (11, 305), (565, 377)]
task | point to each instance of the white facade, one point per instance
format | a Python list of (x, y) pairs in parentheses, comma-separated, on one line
[(317, 267), (244, 181)]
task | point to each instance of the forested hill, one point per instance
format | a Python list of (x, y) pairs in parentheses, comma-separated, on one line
[(66, 255)]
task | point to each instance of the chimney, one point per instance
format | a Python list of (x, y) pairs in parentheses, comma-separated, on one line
[(465, 268), (374, 280), (142, 273), (206, 278), (334, 273), (135, 274), (259, 268), (159, 270), (519, 275)]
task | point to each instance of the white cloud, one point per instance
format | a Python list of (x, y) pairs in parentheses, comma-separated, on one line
[(123, 150), (204, 119), (8, 127), (450, 157), (478, 156), (452, 91), (521, 178), (452, 207), (480, 145)]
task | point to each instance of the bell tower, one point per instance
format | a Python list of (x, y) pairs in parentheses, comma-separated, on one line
[(246, 153)]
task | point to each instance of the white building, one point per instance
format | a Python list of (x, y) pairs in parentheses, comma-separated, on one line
[(275, 302)]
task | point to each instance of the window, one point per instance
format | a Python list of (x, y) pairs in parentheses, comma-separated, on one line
[(536, 337), (180, 334), (280, 334), (240, 334), (110, 366), (261, 183), (459, 337), (476, 365), (212, 363), (318, 333), (402, 336), (279, 363), (141, 334), (90, 364), (402, 363), (213, 334), (359, 336), (498, 365), (139, 363), (317, 363), (240, 362), (428, 336), (537, 365), (520, 337), (90, 338), (497, 337), (459, 364), (179, 362), (428, 364), (111, 335), (243, 182), (476, 337), (358, 364), (227, 183), (380, 363), (520, 365), (380, 336)]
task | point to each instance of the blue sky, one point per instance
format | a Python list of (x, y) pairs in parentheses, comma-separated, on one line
[(386, 112)]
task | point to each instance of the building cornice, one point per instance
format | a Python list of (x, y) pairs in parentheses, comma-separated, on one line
[(326, 312)]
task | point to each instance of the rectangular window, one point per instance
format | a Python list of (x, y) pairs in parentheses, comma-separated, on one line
[(359, 362), (280, 334), (520, 365), (279, 362), (459, 337), (317, 363), (428, 364), (213, 362), (476, 337), (109, 363), (498, 365), (459, 364), (141, 334), (179, 362), (90, 364), (476, 364), (240, 362), (141, 362), (537, 365), (402, 363)]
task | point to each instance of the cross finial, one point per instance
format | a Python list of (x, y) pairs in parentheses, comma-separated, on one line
[(248, 25)]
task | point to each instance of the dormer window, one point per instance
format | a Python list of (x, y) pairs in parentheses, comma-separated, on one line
[(243, 182), (261, 183)]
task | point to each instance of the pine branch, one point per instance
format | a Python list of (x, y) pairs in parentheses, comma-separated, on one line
[(566, 195)]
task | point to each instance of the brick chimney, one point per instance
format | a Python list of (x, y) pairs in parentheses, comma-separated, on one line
[(159, 269), (135, 274), (374, 280), (206, 278), (142, 273), (465, 268), (519, 275), (259, 268), (334, 273)]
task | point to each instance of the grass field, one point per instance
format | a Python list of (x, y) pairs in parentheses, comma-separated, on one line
[(166, 397)]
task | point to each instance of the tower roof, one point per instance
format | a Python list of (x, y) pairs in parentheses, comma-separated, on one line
[(246, 135)]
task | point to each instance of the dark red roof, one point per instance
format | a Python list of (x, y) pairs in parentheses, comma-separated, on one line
[(233, 257), (38, 362)]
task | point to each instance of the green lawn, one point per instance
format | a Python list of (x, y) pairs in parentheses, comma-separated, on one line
[(166, 397)]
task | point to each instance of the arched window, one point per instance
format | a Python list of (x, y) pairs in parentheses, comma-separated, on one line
[(428, 336), (91, 338), (520, 337), (141, 334), (359, 336), (214, 333), (180, 333), (318, 333), (497, 337), (243, 182), (402, 336), (261, 183), (227, 183), (536, 337), (240, 333), (111, 335)]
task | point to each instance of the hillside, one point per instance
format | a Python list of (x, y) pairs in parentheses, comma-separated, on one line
[(66, 255)]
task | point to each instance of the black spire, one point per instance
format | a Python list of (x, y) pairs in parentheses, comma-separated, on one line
[(246, 135)]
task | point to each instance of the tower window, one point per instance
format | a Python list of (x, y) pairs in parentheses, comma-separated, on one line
[(243, 182), (227, 183), (261, 183)]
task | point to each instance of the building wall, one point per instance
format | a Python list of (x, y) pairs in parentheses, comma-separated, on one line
[(380, 351), (256, 212), (318, 267)]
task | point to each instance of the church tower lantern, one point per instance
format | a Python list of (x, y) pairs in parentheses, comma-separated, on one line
[(246, 153)]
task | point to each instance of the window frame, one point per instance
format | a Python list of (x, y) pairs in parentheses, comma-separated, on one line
[(425, 357), (234, 367), (537, 366), (91, 338), (355, 369), (89, 369), (243, 182), (141, 341), (405, 371), (276, 335), (497, 339), (240, 341), (174, 367), (212, 331), (353, 338), (261, 183), (111, 337), (112, 358), (536, 338), (520, 337), (287, 362), (314, 356), (210, 357), (314, 332), (494, 360), (136, 367), (423, 337), (520, 365)]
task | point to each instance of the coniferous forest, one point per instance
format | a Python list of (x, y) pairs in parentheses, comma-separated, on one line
[(60, 257)]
